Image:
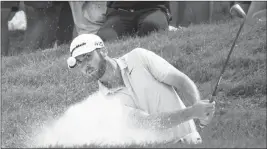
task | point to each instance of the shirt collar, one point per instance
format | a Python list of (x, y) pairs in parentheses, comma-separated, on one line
[(121, 62), (122, 65)]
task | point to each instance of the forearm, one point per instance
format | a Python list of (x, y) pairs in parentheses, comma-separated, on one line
[(161, 120), (185, 86)]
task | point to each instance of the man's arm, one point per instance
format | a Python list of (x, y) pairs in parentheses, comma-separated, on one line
[(165, 120), (164, 72), (183, 83), (160, 120)]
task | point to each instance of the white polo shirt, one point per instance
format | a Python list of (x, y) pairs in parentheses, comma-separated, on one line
[(143, 72)]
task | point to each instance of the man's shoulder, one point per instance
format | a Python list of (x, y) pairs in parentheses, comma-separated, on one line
[(138, 52), (135, 56)]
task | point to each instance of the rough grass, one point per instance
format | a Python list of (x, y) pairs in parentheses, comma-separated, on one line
[(38, 86)]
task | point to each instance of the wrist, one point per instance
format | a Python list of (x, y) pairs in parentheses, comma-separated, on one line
[(191, 112)]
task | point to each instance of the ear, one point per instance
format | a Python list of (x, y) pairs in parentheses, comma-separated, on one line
[(104, 52)]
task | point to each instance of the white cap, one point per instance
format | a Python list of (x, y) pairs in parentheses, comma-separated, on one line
[(85, 43), (82, 44)]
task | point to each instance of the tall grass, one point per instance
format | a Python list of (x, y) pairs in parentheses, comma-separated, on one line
[(38, 86)]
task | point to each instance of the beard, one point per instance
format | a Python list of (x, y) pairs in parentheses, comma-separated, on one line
[(96, 74)]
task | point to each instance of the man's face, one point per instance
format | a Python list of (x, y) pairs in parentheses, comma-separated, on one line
[(92, 65)]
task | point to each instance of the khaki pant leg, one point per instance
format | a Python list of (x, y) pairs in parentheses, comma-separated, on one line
[(88, 16)]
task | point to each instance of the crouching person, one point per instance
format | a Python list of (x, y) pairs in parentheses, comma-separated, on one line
[(145, 84), (140, 18)]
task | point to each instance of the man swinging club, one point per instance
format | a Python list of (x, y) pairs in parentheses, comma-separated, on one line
[(145, 84)]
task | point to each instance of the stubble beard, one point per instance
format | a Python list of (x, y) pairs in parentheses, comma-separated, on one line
[(100, 71)]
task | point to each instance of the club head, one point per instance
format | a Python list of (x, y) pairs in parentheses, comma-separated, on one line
[(236, 10)]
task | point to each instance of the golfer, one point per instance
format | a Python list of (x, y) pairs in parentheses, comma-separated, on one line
[(145, 83)]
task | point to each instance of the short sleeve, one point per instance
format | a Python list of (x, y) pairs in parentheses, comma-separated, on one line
[(155, 64)]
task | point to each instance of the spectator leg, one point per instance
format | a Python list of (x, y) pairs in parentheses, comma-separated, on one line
[(154, 20), (118, 24), (65, 24), (5, 12)]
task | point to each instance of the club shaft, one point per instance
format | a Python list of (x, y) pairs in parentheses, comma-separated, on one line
[(225, 64)]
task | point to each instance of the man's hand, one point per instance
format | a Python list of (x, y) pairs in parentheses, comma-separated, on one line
[(206, 120), (203, 109)]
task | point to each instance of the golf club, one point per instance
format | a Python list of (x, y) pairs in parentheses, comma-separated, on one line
[(235, 10)]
